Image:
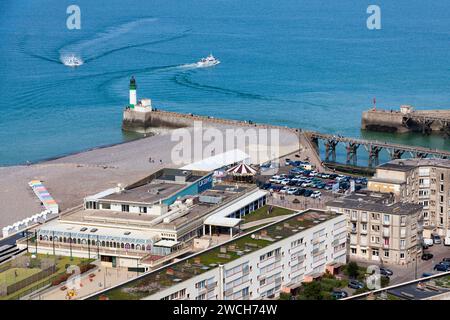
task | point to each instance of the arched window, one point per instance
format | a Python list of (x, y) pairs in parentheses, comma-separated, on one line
[(138, 247), (127, 246), (64, 240), (149, 247), (132, 246), (79, 241), (40, 237), (83, 241), (51, 238), (103, 243), (122, 245)]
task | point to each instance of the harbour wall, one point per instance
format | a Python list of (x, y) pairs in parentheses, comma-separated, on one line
[(424, 121), (157, 120), (384, 121)]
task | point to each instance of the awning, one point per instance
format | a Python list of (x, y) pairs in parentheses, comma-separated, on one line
[(165, 243)]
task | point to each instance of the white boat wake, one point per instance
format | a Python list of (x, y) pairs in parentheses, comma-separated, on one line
[(71, 61)]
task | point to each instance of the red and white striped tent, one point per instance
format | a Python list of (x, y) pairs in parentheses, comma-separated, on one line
[(242, 169)]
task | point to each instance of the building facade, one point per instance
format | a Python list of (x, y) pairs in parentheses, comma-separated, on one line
[(254, 266), (380, 229), (423, 181)]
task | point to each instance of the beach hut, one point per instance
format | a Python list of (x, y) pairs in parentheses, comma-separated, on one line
[(242, 172)]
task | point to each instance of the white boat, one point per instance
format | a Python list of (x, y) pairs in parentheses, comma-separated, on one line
[(72, 61), (209, 61)]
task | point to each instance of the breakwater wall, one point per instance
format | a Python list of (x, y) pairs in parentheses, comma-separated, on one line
[(423, 121), (156, 120)]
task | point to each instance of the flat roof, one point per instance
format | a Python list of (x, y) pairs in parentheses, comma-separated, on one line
[(408, 164), (220, 218), (58, 228), (153, 282), (374, 203), (144, 220), (147, 193), (218, 161)]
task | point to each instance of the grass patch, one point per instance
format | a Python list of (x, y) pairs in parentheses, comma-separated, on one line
[(61, 263), (262, 213), (14, 275)]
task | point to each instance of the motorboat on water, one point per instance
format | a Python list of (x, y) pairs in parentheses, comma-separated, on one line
[(72, 61), (209, 61)]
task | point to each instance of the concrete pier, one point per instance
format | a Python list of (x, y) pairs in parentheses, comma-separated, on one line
[(406, 120)]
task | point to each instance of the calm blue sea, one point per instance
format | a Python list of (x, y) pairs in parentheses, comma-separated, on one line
[(306, 63)]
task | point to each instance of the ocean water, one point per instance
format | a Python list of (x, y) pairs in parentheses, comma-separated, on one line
[(305, 63)]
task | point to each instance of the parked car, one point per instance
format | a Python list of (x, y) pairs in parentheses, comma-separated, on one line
[(442, 266), (276, 179), (307, 193), (355, 284), (428, 241), (292, 190), (427, 274), (299, 192), (284, 190), (339, 294), (285, 181), (386, 272), (316, 194), (436, 239), (266, 186), (427, 256)]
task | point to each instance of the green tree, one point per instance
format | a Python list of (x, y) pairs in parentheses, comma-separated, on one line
[(312, 291), (352, 269)]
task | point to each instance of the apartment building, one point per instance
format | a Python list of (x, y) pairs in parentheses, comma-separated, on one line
[(380, 229), (423, 181), (254, 266)]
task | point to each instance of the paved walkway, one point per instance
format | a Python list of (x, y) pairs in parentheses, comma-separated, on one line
[(90, 284)]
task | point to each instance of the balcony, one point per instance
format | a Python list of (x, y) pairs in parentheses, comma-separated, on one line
[(386, 233)]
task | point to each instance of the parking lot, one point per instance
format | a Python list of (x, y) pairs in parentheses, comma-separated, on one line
[(298, 185)]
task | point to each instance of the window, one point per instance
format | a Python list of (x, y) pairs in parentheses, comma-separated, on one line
[(386, 219), (403, 220), (375, 228), (386, 254), (364, 216), (143, 209), (125, 208), (402, 255), (106, 206), (375, 253), (442, 177), (364, 226), (402, 244), (353, 250), (441, 188)]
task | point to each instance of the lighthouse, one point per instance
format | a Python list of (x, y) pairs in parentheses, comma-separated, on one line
[(133, 100)]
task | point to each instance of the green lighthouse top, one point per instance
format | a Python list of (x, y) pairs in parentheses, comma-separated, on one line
[(132, 83)]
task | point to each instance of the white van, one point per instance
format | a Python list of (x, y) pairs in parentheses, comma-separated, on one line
[(447, 239), (428, 241)]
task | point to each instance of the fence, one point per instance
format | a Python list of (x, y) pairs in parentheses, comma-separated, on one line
[(30, 280)]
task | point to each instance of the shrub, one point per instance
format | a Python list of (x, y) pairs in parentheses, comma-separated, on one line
[(285, 296)]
